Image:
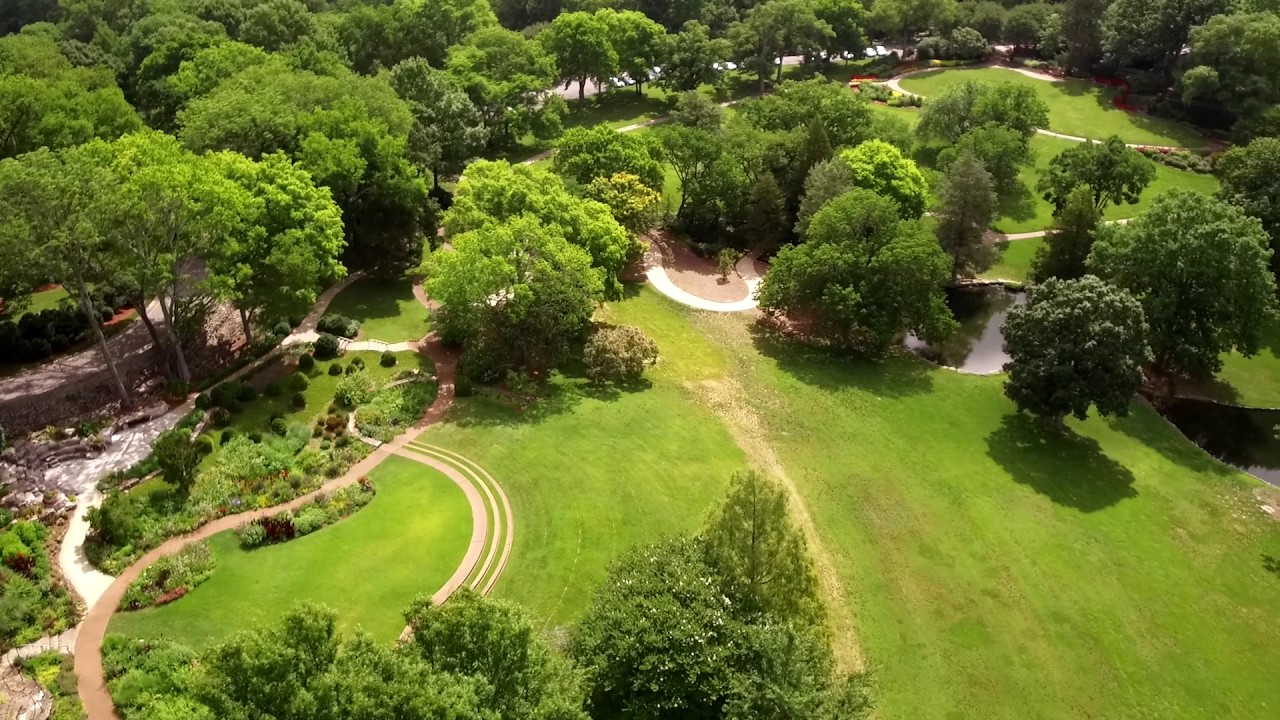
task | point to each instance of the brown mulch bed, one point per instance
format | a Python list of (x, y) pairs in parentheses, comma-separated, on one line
[(695, 275)]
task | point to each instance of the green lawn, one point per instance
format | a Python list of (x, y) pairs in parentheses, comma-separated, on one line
[(996, 569), (1028, 211), (47, 300), (1014, 262), (909, 115), (386, 310), (590, 473), (1076, 107), (405, 543), (1251, 381)]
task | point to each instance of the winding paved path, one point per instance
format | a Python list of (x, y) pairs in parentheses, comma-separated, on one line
[(492, 519), (746, 268)]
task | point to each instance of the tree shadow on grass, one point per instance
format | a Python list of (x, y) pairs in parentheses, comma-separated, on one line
[(1146, 426), (899, 374), (371, 299), (1067, 468), (495, 406), (1271, 565), (1020, 203)]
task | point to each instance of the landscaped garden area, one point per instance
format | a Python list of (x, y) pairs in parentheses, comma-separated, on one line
[(1076, 107), (405, 543)]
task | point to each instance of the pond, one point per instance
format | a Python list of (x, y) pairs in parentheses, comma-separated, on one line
[(1242, 437), (977, 346)]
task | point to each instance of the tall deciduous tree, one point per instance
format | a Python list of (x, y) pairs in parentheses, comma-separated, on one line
[(496, 192), (846, 117), (693, 153), (1082, 33), (1002, 151), (775, 28), (1152, 33), (1199, 268), (1117, 174), (507, 75), (691, 54), (1250, 178), (56, 113), (286, 244), (580, 44), (1233, 63), (50, 219), (1068, 243), (972, 104), (639, 43), (965, 211), (447, 128), (1076, 344), (883, 169), (585, 154), (847, 18), (517, 293), (497, 642), (866, 274)]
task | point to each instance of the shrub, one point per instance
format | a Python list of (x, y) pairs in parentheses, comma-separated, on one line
[(340, 325), (388, 359), (248, 393), (327, 347), (357, 363), (306, 362), (227, 395), (203, 445), (255, 437), (177, 388), (251, 535), (203, 401), (295, 320), (299, 400), (619, 354), (228, 434), (335, 369), (220, 417), (299, 382), (279, 426), (273, 389), (281, 329), (353, 390)]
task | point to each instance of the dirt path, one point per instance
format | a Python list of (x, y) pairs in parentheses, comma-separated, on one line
[(88, 644)]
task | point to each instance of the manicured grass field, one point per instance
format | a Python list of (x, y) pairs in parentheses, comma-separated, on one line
[(1076, 107), (1015, 260), (591, 473), (405, 543), (386, 310), (998, 569), (1251, 381), (47, 300), (1028, 211)]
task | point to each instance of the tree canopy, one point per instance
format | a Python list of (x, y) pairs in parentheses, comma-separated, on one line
[(1116, 173), (1076, 344), (1199, 267), (882, 168), (864, 273), (586, 154)]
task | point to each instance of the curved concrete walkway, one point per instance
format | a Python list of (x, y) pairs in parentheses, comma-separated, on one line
[(480, 568), (746, 269), (895, 84)]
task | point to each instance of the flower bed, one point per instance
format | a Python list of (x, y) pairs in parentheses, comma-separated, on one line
[(392, 409), (1179, 159), (320, 512), (170, 577), (35, 603), (876, 92)]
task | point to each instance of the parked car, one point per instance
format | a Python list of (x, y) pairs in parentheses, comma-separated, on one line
[(881, 51), (869, 52)]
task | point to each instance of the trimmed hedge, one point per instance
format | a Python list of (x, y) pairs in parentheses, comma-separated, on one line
[(339, 325)]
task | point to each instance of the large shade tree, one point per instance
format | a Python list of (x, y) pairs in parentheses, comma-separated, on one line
[(865, 275), (1234, 60), (581, 44), (507, 77), (496, 192), (448, 130), (1076, 344), (1200, 269), (1116, 173), (585, 154), (882, 168), (971, 104), (1250, 178), (776, 28)]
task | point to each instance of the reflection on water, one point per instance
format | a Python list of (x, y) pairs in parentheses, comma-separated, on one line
[(1241, 437), (977, 346)]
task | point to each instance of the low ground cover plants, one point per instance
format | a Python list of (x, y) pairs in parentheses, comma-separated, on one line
[(32, 602), (322, 511), (392, 409), (170, 577), (55, 673)]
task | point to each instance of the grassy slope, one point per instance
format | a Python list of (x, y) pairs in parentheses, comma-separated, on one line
[(1251, 381), (386, 310), (592, 474), (1029, 211), (368, 567), (1015, 258), (996, 570), (1076, 107)]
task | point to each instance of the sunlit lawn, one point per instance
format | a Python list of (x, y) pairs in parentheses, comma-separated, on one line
[(1076, 107), (368, 567), (1014, 262), (1251, 381)]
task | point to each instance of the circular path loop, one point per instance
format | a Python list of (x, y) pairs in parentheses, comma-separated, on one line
[(656, 259), (492, 533)]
